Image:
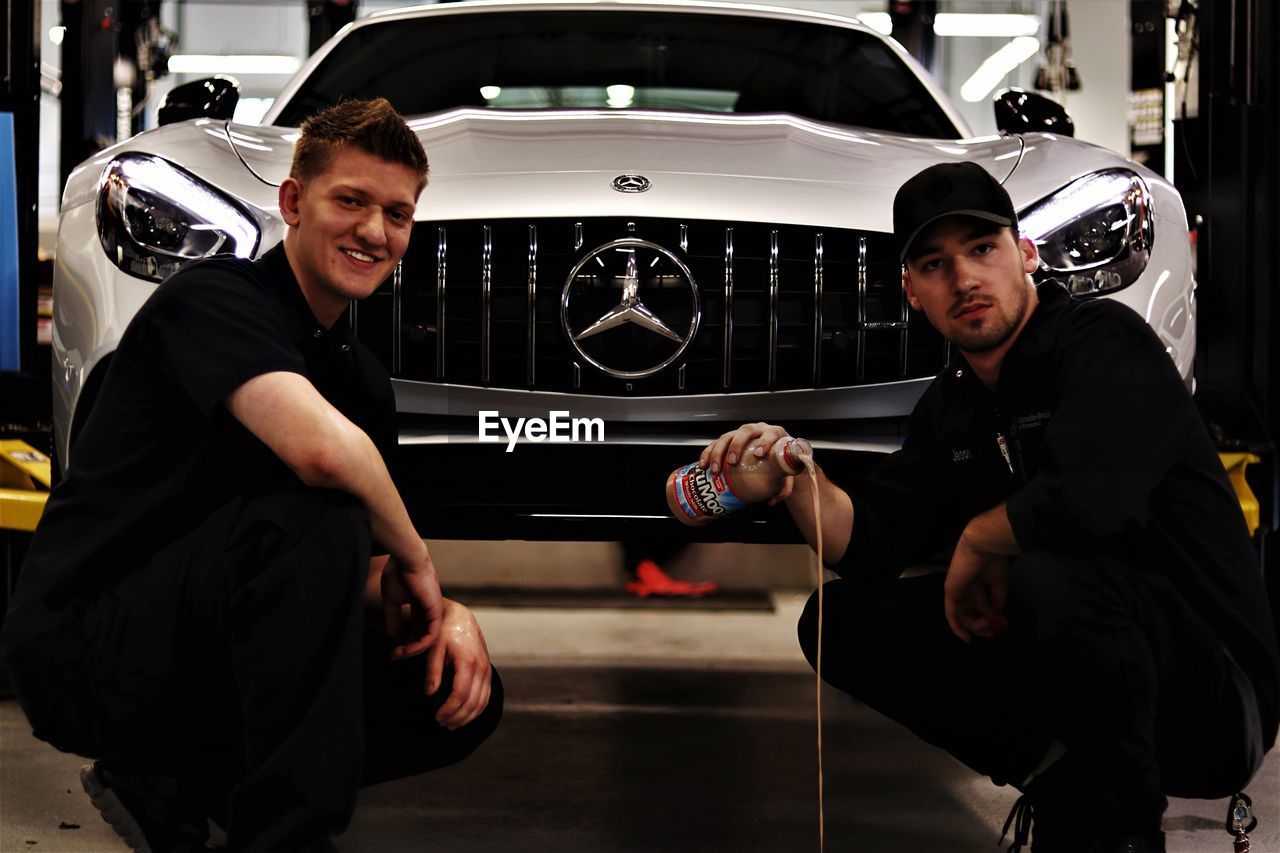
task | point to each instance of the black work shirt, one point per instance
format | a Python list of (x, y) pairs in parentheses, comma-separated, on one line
[(160, 451), (1092, 440)]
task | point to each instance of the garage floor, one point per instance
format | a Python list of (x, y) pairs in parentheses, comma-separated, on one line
[(645, 730)]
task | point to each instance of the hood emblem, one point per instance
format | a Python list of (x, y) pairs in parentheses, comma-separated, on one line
[(643, 329), (631, 183)]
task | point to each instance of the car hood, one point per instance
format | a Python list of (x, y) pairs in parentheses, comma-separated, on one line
[(774, 168)]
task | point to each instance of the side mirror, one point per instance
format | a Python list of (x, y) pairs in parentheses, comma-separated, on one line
[(212, 97), (1023, 112)]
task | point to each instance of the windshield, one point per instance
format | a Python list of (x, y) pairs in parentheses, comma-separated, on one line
[(602, 59)]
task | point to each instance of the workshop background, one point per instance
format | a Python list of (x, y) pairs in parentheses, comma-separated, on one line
[(685, 724)]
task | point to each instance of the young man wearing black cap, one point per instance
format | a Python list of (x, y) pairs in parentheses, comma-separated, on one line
[(1101, 637)]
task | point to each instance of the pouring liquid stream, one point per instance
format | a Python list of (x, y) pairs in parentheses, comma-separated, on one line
[(697, 495), (817, 515)]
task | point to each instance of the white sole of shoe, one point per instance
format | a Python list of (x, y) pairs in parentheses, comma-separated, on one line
[(113, 810)]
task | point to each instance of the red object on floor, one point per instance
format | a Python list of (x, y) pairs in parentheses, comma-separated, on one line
[(652, 580)]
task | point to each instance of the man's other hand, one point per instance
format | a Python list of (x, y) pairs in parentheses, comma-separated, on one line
[(975, 591), (416, 585), (461, 648)]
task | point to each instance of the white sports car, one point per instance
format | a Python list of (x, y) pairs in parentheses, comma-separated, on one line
[(671, 217)]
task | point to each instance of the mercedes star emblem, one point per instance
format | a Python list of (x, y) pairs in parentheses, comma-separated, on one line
[(631, 183), (630, 308)]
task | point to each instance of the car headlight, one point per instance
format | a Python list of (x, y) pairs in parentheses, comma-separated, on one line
[(1095, 233), (153, 218)]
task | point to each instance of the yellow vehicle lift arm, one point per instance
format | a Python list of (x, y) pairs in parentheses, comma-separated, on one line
[(24, 485)]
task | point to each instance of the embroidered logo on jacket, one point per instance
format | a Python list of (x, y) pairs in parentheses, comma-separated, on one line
[(1031, 421)]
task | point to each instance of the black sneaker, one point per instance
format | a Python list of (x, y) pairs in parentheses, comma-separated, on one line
[(1056, 830), (145, 809)]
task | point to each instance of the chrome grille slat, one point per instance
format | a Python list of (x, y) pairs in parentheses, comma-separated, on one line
[(817, 307), (904, 329), (441, 269), (531, 354), (397, 328), (728, 307), (774, 283), (486, 302), (861, 331)]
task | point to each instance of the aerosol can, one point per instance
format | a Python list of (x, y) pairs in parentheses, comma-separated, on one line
[(696, 496)]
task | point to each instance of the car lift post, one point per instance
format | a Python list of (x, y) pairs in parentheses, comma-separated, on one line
[(1225, 169)]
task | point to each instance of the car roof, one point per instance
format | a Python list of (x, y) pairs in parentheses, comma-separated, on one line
[(690, 6)]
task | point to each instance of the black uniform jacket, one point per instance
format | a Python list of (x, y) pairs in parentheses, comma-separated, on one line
[(1094, 443), (160, 452)]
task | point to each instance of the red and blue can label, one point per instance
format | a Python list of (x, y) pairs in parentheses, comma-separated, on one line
[(702, 494)]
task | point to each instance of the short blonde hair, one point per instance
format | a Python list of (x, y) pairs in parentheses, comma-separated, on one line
[(372, 126)]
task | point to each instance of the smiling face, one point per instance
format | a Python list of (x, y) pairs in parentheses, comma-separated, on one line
[(349, 225), (970, 278)]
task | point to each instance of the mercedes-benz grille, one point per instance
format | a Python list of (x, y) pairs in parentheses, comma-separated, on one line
[(777, 307)]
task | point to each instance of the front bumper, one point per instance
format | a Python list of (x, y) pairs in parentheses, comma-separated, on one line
[(459, 488)]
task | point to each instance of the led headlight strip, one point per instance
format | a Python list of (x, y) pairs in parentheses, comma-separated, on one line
[(153, 218), (1095, 233)]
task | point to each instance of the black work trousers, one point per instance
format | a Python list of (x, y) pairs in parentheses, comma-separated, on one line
[(1109, 661), (240, 660)]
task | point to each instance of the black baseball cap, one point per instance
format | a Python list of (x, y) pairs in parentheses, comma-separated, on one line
[(948, 189)]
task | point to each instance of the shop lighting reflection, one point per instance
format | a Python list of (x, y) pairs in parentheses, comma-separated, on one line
[(985, 25), (997, 66), (881, 22), (203, 63), (621, 95)]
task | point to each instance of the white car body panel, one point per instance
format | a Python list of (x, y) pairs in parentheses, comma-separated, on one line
[(528, 164)]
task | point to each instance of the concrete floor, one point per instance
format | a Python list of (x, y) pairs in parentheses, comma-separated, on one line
[(645, 731)]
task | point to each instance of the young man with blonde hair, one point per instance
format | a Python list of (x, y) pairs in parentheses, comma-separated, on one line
[(192, 609)]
